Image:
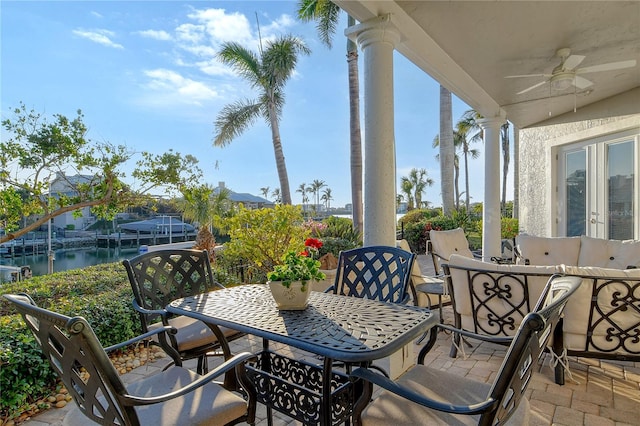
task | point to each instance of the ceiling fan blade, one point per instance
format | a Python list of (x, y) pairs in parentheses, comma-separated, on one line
[(572, 61), (607, 67), (581, 82), (527, 75), (531, 88)]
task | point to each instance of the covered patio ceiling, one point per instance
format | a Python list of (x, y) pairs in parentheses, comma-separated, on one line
[(470, 46)]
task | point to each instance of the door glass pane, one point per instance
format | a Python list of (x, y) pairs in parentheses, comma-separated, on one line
[(620, 167), (576, 190)]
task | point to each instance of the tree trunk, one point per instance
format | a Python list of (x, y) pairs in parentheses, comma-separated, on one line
[(279, 154), (516, 172), (447, 152), (355, 134), (505, 163), (467, 197)]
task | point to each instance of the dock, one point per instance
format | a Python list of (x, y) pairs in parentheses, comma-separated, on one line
[(127, 240)]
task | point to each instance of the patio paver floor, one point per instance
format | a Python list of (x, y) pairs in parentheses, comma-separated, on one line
[(603, 392)]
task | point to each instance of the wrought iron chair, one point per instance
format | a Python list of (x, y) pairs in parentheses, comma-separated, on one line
[(160, 277), (426, 395), (171, 397), (380, 273), (491, 300)]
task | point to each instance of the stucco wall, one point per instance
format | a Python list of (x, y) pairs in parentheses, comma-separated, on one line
[(538, 144)]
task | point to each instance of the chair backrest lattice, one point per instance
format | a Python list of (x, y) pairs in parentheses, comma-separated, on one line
[(499, 302), (524, 356), (379, 273), (159, 277), (78, 358)]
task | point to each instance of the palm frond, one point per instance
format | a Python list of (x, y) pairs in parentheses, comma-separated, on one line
[(279, 59), (242, 60), (234, 119), (326, 15)]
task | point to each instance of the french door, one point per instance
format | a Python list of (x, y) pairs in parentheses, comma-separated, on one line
[(598, 189)]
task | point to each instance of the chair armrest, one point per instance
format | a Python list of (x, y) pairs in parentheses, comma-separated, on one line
[(138, 308), (162, 337), (165, 329), (393, 387), (232, 363), (502, 340)]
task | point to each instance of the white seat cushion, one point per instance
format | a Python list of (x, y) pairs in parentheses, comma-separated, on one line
[(548, 250), (609, 253), (193, 333)]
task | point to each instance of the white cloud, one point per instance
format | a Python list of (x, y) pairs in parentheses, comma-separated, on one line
[(174, 88), (96, 14), (220, 26), (190, 33), (99, 36), (156, 35)]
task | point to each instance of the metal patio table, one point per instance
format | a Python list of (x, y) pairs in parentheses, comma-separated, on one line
[(352, 330)]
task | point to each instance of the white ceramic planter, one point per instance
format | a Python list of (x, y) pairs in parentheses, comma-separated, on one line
[(292, 298)]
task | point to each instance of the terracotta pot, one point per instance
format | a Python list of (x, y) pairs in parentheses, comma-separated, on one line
[(292, 298), (322, 285)]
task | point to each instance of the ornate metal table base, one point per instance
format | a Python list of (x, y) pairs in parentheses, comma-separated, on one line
[(294, 388)]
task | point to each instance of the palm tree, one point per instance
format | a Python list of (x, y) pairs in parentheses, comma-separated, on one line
[(315, 188), (326, 197), (456, 164), (326, 15), (267, 73), (447, 152), (277, 198), (198, 205), (470, 128), (399, 198), (406, 187), (420, 181), (265, 191), (302, 189)]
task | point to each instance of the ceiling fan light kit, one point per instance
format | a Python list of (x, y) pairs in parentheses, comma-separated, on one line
[(562, 81)]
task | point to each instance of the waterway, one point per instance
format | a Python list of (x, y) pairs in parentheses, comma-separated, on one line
[(66, 259)]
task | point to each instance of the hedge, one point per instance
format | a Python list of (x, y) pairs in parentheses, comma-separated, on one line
[(100, 293)]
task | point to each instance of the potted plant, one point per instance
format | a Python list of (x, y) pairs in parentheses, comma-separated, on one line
[(290, 281)]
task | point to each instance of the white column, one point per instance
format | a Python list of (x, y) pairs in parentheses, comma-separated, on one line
[(377, 39), (491, 206)]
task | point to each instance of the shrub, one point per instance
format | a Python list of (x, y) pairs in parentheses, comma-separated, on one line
[(25, 375), (419, 215), (417, 233), (335, 245), (100, 293), (509, 227), (336, 234), (262, 236)]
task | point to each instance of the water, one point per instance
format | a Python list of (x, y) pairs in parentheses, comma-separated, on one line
[(66, 259)]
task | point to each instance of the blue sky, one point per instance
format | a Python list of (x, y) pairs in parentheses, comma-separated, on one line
[(144, 74)]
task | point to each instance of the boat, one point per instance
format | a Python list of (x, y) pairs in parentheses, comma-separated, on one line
[(158, 225)]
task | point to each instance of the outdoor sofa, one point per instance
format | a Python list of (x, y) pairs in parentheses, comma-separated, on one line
[(602, 318)]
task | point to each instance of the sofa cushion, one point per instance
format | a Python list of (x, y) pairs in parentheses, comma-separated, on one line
[(614, 254), (615, 313), (548, 250), (504, 281)]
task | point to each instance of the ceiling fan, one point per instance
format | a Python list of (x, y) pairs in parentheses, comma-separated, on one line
[(566, 75)]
